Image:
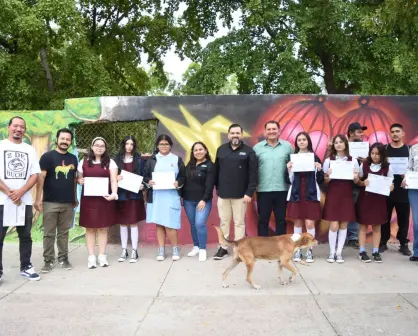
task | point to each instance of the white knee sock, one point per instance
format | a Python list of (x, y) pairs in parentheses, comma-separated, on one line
[(332, 239), (134, 237), (311, 231), (124, 236), (342, 234), (297, 229)]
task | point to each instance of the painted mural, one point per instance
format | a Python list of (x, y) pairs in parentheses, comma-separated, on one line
[(207, 118)]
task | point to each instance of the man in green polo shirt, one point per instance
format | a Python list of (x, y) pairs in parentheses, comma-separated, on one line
[(273, 154)]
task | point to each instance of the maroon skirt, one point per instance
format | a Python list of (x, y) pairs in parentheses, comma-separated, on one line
[(339, 202), (130, 211), (96, 212), (371, 208), (304, 209)]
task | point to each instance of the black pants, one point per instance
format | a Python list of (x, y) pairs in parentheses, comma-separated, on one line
[(25, 239), (266, 203), (402, 212)]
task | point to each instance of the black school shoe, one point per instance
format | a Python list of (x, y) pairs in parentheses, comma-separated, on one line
[(353, 244), (383, 248), (364, 257), (376, 257), (413, 258), (222, 253), (404, 250)]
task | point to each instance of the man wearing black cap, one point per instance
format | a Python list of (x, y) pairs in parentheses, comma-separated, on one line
[(354, 134)]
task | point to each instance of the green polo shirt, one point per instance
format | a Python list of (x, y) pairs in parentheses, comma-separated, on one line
[(272, 163)]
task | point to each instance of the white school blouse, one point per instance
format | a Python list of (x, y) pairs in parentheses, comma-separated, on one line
[(375, 168)]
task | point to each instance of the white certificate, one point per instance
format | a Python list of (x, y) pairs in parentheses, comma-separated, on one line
[(13, 215), (359, 149), (131, 182), (341, 170), (398, 165), (163, 180), (302, 162), (379, 184), (411, 179), (96, 186)]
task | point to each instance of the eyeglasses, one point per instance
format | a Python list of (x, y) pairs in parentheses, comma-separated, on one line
[(163, 145), (99, 146)]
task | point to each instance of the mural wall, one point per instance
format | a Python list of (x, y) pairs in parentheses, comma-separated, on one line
[(207, 118)]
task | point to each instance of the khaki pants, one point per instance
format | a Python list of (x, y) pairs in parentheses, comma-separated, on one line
[(57, 220), (228, 208)]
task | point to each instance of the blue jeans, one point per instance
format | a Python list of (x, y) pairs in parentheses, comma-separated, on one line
[(413, 201), (352, 228), (198, 221)]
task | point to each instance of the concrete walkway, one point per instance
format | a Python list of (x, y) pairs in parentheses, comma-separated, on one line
[(186, 298)]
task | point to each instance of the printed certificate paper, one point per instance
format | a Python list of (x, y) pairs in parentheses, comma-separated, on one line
[(96, 186), (163, 180), (302, 162), (131, 182), (411, 179), (13, 215), (341, 170), (379, 184), (398, 165), (359, 149)]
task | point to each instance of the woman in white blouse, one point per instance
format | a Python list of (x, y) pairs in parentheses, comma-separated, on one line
[(97, 213)]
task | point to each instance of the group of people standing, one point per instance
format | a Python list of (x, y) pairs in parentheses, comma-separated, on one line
[(237, 172)]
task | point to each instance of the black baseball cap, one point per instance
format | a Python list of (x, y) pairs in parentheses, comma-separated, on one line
[(356, 126)]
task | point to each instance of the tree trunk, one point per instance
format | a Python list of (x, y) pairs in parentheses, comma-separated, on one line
[(45, 65)]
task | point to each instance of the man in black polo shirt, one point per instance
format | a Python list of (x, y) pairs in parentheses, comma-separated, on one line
[(398, 156), (235, 181), (58, 183)]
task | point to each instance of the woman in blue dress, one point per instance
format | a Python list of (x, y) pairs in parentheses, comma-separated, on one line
[(163, 205)]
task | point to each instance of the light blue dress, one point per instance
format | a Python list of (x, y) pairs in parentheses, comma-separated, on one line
[(165, 208)]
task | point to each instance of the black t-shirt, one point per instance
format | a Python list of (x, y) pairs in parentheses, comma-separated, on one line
[(61, 170), (398, 194)]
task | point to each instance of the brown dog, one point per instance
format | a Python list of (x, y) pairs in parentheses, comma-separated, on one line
[(280, 248)]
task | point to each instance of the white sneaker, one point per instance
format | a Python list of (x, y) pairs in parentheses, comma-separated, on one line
[(161, 254), (339, 259), (309, 256), (176, 253), (297, 256), (331, 258), (194, 252), (102, 258), (92, 262), (202, 255)]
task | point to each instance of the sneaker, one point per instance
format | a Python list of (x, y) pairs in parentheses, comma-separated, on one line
[(49, 265), (309, 257), (364, 257), (134, 256), (339, 259), (176, 253), (297, 256), (353, 244), (413, 258), (92, 263), (123, 255), (29, 273), (383, 248), (65, 264), (1, 276), (404, 250), (202, 255), (102, 258), (331, 258), (161, 254), (222, 253), (194, 252), (376, 257)]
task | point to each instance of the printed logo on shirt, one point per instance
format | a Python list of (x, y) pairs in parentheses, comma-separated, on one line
[(204, 166), (242, 153), (64, 169), (16, 165)]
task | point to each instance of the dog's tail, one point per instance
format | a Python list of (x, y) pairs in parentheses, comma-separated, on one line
[(222, 240)]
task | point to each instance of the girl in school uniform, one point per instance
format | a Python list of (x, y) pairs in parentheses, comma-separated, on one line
[(97, 213), (304, 194), (163, 205), (130, 207), (339, 207), (371, 207)]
